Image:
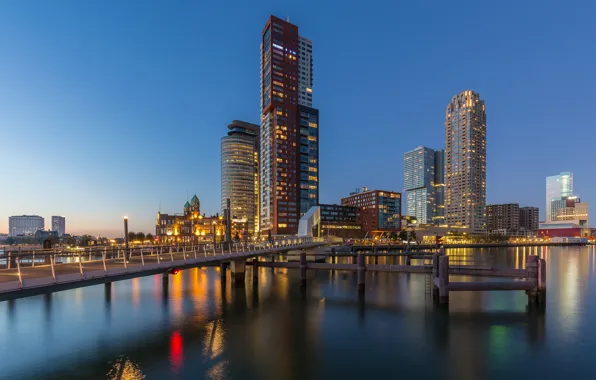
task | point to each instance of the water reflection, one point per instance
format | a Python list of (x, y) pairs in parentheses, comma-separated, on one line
[(197, 325), (125, 369)]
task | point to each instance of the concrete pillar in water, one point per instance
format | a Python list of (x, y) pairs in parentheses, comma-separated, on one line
[(165, 277), (255, 269), (537, 272), (237, 269), (361, 272), (302, 268), (443, 279), (222, 271)]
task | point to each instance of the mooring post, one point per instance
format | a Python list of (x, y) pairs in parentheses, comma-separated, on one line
[(533, 268), (443, 279), (361, 269), (542, 279), (302, 268), (408, 259), (255, 270)]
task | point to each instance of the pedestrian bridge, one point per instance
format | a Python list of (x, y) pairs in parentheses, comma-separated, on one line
[(38, 272)]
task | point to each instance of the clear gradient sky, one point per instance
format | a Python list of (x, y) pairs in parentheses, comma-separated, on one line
[(110, 109)]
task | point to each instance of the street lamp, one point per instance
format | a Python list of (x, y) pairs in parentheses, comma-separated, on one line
[(126, 238)]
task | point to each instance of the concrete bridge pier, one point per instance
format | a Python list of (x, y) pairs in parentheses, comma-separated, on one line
[(222, 271), (255, 270), (237, 269), (361, 272)]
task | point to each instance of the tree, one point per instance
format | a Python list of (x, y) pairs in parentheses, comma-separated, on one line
[(403, 235), (412, 236), (269, 236), (236, 237), (149, 237), (132, 236), (140, 236), (9, 241), (393, 236)]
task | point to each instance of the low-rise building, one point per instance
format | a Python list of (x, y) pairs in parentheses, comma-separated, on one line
[(380, 210), (331, 220)]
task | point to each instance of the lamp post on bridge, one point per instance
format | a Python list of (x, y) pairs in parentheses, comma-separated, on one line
[(126, 238)]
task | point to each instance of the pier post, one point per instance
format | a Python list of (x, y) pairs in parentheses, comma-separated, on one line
[(443, 279), (255, 270), (237, 269), (361, 271), (537, 272), (408, 260), (222, 271), (165, 278), (302, 268)]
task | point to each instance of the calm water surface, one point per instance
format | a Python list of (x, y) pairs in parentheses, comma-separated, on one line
[(200, 327)]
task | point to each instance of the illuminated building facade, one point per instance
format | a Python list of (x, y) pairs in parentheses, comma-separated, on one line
[(570, 208), (240, 177), (380, 211), (424, 182), (465, 161), (289, 129), (25, 225), (557, 187), (189, 227)]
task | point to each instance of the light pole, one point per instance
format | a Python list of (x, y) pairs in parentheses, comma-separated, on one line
[(126, 238)]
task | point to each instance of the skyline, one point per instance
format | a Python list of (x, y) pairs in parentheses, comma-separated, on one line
[(163, 100)]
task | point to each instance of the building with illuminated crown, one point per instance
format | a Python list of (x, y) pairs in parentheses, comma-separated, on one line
[(289, 157), (191, 226), (465, 161)]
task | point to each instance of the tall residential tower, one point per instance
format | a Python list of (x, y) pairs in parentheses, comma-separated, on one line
[(240, 175), (289, 162), (424, 183), (465, 161)]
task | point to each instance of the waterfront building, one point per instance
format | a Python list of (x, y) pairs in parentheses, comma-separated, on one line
[(465, 161), (557, 187), (240, 177), (59, 225), (504, 217), (331, 220), (570, 208), (191, 226), (289, 157), (380, 211), (424, 184), (25, 224), (528, 218)]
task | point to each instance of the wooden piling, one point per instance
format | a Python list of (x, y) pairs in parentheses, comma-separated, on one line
[(255, 270), (303, 266), (361, 272), (443, 279)]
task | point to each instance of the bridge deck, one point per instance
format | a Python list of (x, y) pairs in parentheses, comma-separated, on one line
[(40, 278)]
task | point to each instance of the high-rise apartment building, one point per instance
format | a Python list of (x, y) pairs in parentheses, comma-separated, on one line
[(528, 218), (424, 183), (380, 211), (25, 225), (59, 225), (503, 217), (557, 187), (465, 161), (289, 176), (240, 175)]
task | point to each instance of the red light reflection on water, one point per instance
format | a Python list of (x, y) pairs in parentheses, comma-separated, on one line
[(176, 355)]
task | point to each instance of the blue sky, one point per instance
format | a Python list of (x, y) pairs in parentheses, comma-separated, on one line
[(110, 109)]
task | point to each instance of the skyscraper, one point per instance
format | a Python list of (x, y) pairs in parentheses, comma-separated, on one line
[(557, 187), (59, 225), (25, 225), (240, 175), (465, 161), (423, 183), (289, 176)]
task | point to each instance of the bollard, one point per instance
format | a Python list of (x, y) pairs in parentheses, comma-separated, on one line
[(443, 279), (361, 271), (303, 268)]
